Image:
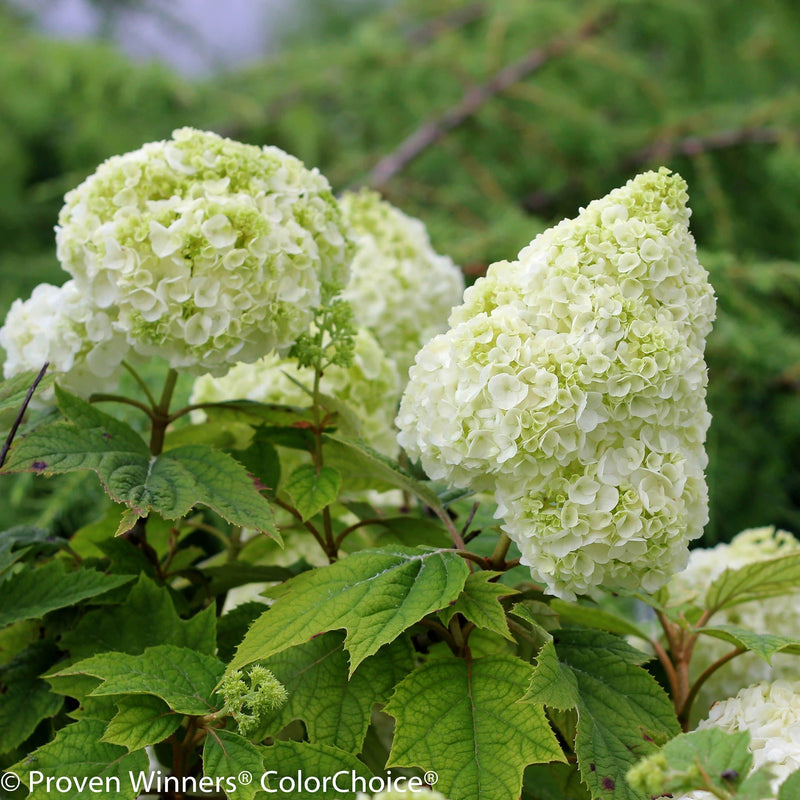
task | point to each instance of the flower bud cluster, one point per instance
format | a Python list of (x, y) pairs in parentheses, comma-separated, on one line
[(572, 384), (199, 249), (251, 697), (400, 288), (771, 615)]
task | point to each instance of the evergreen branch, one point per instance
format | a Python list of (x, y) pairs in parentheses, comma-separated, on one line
[(444, 23), (434, 130), (663, 149)]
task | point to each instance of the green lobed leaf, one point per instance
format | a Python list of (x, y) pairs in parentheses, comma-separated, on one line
[(790, 788), (462, 718), (336, 711), (690, 760), (78, 753), (311, 490), (623, 714), (14, 390), (285, 760), (32, 593), (409, 531), (169, 484), (261, 460), (768, 578), (593, 617), (141, 721), (185, 476), (553, 782), (224, 577), (122, 627), (757, 785), (226, 756), (373, 594), (184, 679), (233, 625), (764, 645), (79, 687), (362, 459), (254, 413), (25, 699), (479, 602)]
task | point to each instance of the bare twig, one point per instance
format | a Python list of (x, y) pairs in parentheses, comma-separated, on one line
[(13, 432), (434, 130), (695, 145)]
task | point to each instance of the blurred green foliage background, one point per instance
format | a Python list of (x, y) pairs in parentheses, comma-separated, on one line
[(489, 121)]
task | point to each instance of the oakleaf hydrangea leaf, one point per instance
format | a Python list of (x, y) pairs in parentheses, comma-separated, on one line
[(184, 679), (25, 699), (373, 594), (461, 718), (310, 489), (756, 581), (764, 645), (623, 714), (34, 592), (479, 602), (77, 752), (697, 760), (13, 391), (170, 484), (335, 709), (141, 721), (227, 755), (120, 627), (790, 788), (284, 760)]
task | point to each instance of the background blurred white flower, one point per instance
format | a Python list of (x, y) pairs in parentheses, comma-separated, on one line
[(399, 287), (771, 615), (58, 325)]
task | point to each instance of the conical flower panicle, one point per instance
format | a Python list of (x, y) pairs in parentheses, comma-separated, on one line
[(572, 384)]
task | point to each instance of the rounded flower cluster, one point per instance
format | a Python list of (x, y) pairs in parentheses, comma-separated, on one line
[(57, 325), (773, 615), (399, 287), (203, 250), (770, 713), (369, 387), (572, 384)]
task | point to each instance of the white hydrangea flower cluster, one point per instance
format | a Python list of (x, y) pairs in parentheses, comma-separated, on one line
[(572, 384), (202, 250), (56, 324), (774, 615), (400, 288), (369, 386), (770, 712)]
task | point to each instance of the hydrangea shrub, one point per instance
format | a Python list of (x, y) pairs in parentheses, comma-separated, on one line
[(442, 635)]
